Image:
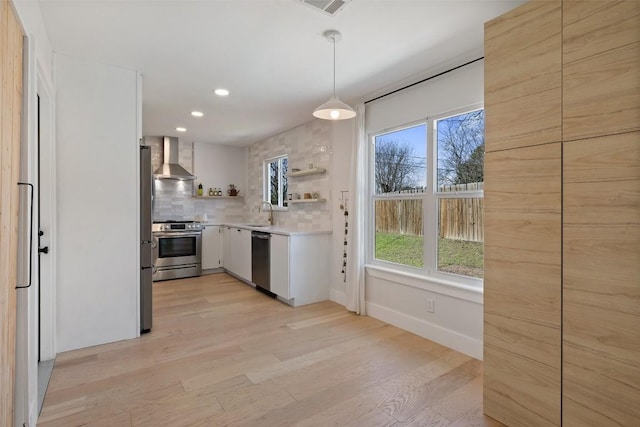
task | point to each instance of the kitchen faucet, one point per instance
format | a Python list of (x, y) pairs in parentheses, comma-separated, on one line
[(270, 210)]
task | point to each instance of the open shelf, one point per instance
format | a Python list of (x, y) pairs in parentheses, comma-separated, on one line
[(217, 197), (306, 200), (306, 172)]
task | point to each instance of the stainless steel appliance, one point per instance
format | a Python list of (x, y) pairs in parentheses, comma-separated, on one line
[(170, 169), (261, 261), (177, 249), (146, 256)]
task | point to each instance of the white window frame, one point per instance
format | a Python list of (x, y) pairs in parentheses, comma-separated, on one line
[(430, 206), (266, 188), (393, 196)]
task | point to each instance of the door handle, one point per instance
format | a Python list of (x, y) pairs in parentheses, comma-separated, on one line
[(44, 250), (30, 236)]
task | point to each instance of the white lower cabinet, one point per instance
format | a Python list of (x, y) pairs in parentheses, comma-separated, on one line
[(237, 252), (280, 266), (211, 247), (300, 266)]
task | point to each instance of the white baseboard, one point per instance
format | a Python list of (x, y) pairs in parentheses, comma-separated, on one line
[(338, 297), (462, 343)]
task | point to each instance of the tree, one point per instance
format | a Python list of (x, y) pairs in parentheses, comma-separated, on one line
[(396, 168), (278, 176), (472, 169), (461, 149)]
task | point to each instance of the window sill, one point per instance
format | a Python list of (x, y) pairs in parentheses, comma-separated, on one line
[(428, 283)]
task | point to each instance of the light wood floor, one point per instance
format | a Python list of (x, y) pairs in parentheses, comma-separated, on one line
[(220, 353)]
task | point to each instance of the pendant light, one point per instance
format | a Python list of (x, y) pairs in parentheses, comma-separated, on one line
[(334, 109)]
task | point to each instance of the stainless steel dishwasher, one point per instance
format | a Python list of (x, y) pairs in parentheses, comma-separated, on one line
[(261, 261)]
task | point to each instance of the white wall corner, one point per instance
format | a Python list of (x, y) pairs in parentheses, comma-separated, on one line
[(449, 338), (338, 296)]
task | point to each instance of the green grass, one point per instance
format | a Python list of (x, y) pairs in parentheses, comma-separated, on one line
[(454, 256), (400, 248)]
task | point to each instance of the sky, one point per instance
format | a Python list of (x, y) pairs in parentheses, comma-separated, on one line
[(416, 136)]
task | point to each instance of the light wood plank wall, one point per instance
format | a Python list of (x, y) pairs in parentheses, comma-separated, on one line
[(10, 112), (601, 213), (523, 204), (562, 214)]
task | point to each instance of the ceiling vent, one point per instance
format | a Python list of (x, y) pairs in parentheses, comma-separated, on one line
[(330, 7)]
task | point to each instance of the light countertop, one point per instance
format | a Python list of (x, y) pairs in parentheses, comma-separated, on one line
[(276, 229)]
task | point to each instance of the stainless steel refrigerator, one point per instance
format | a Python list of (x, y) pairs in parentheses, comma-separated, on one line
[(146, 251)]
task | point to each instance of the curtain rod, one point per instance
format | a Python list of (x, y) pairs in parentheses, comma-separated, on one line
[(425, 79)]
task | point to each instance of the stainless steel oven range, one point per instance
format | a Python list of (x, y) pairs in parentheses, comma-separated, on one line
[(177, 249)]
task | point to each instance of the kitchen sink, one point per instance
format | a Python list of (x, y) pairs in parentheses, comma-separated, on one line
[(258, 225)]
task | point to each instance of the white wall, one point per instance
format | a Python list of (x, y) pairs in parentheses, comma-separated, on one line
[(219, 165), (30, 16), (401, 300), (98, 214), (343, 132)]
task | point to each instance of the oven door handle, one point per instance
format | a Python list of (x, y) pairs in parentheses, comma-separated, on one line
[(170, 235)]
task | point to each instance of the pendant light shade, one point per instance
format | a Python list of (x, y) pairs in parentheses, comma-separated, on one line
[(334, 109)]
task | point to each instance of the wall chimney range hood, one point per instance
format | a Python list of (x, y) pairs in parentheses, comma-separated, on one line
[(171, 169)]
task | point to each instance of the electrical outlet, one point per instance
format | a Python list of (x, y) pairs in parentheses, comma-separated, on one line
[(430, 305)]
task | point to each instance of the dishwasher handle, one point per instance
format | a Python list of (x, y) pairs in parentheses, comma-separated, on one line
[(258, 235)]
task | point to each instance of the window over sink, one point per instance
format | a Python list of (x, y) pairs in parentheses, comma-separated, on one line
[(275, 181)]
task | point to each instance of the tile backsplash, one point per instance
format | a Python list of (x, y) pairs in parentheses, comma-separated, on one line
[(305, 144), (173, 199)]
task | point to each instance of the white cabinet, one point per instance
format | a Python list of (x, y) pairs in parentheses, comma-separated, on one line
[(300, 266), (226, 247), (280, 266), (211, 247), (237, 252)]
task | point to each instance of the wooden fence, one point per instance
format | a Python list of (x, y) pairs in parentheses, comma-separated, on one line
[(399, 216), (461, 187), (460, 219)]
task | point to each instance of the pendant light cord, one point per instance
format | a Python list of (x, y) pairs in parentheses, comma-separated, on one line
[(334, 65)]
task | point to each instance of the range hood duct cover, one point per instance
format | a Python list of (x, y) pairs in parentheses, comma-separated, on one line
[(171, 169)]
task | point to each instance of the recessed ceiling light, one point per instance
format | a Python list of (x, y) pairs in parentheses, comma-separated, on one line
[(221, 92), (197, 113), (179, 129)]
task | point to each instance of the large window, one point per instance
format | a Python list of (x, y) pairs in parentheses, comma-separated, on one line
[(400, 180), (275, 181), (427, 198)]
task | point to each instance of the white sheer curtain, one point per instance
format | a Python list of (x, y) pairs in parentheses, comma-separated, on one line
[(357, 211)]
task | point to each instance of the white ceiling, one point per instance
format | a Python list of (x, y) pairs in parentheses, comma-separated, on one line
[(270, 54)]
